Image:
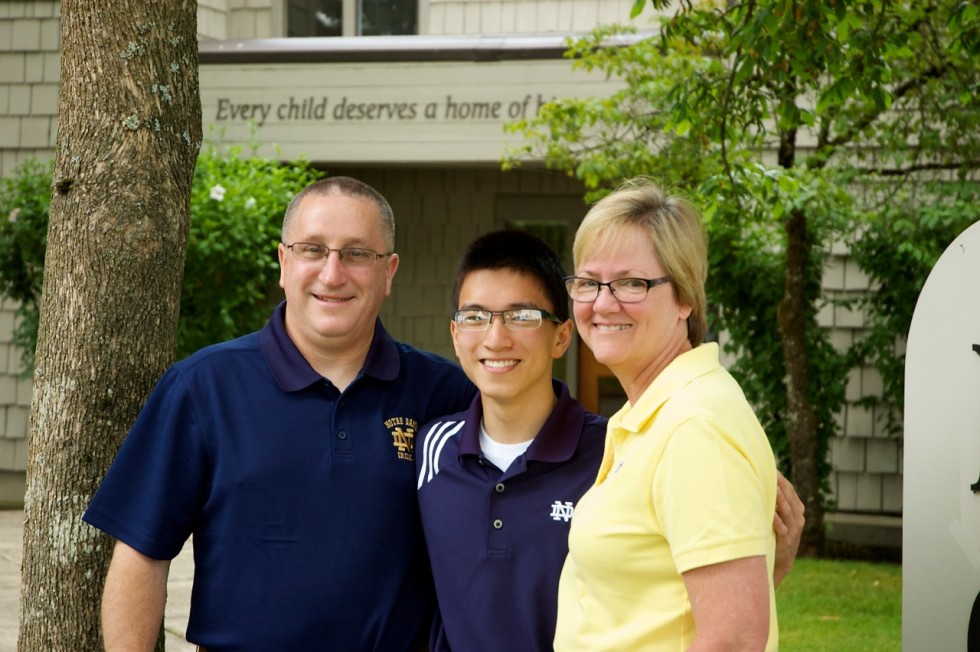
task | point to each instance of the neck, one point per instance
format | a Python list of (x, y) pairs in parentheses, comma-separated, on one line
[(635, 381), (339, 364), (519, 419)]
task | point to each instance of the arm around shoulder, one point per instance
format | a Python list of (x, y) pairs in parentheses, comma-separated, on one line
[(133, 600), (788, 524)]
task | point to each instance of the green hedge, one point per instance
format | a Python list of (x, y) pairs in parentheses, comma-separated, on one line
[(231, 271)]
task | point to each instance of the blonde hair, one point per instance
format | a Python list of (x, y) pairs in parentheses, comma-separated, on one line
[(674, 226)]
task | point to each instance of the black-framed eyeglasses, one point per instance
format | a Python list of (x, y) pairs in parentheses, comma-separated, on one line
[(626, 290), (517, 319), (349, 256)]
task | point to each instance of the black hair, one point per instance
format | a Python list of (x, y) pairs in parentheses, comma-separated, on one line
[(518, 252)]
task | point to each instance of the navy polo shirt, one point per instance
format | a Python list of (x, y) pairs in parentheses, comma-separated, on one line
[(498, 539), (300, 498)]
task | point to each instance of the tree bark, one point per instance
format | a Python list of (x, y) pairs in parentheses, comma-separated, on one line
[(801, 428), (128, 137)]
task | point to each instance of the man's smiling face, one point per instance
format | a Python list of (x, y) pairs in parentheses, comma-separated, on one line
[(328, 303)]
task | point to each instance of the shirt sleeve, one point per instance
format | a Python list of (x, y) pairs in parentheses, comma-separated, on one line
[(710, 493), (155, 489)]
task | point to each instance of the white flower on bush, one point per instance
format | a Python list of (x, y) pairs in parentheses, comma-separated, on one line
[(218, 192), (250, 203), (13, 215)]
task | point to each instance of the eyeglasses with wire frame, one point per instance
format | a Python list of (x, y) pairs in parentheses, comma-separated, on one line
[(518, 319), (349, 256), (626, 290)]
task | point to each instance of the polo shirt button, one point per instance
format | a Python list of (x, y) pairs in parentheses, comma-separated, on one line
[(499, 487), (342, 435), (497, 524)]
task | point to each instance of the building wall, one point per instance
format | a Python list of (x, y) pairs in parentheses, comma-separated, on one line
[(245, 19), (866, 458), (439, 209), (30, 66), (524, 16), (212, 19), (379, 111), (252, 19), (29, 73), (238, 19), (15, 404)]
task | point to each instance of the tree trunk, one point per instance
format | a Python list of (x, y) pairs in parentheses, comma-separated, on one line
[(801, 428), (129, 131)]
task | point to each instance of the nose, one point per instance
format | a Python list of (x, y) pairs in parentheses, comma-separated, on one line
[(332, 270), (606, 301), (497, 335)]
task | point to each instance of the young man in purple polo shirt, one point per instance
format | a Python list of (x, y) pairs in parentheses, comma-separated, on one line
[(498, 483)]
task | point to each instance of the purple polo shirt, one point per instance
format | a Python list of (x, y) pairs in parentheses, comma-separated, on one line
[(497, 540)]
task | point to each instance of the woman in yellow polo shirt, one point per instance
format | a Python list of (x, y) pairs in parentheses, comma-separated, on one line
[(673, 548)]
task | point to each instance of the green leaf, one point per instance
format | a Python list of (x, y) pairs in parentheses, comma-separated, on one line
[(787, 184)]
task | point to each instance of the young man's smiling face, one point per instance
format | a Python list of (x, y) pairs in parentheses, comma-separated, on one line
[(508, 365)]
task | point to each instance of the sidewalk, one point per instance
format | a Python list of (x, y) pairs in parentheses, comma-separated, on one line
[(11, 553)]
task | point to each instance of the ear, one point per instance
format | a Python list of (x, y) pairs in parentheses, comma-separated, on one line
[(282, 265), (453, 333), (563, 339), (390, 268)]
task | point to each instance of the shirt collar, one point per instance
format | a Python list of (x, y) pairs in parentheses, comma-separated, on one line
[(293, 372), (557, 439), (681, 371)]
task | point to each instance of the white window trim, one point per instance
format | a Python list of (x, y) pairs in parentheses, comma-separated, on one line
[(279, 18), (349, 27)]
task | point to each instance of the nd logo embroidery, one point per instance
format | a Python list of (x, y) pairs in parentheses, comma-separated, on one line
[(562, 511), (402, 430)]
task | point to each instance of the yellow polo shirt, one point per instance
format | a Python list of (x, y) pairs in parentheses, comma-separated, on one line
[(688, 479)]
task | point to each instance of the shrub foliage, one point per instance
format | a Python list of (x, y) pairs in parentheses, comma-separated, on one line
[(231, 271)]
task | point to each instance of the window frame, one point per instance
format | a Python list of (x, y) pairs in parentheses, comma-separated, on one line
[(349, 18)]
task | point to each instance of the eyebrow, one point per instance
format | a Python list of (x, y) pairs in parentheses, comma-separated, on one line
[(511, 306), (592, 276)]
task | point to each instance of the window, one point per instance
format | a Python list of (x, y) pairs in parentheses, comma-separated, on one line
[(318, 18), (387, 17), (351, 17)]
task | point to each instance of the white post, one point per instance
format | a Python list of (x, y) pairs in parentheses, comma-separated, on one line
[(941, 510)]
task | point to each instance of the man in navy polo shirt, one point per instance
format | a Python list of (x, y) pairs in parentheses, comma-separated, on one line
[(498, 483), (288, 454)]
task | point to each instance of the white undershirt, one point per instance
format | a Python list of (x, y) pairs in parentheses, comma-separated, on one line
[(502, 455)]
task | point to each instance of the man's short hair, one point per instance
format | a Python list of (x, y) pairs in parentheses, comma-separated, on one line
[(349, 187)]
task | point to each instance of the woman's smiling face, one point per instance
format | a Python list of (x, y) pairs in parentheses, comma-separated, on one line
[(631, 338)]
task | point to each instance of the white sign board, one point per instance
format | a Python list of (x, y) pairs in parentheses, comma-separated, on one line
[(941, 513), (385, 112)]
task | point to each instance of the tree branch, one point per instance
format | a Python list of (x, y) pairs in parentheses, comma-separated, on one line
[(900, 91), (921, 167)]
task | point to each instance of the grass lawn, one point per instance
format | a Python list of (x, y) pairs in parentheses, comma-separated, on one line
[(842, 606)]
